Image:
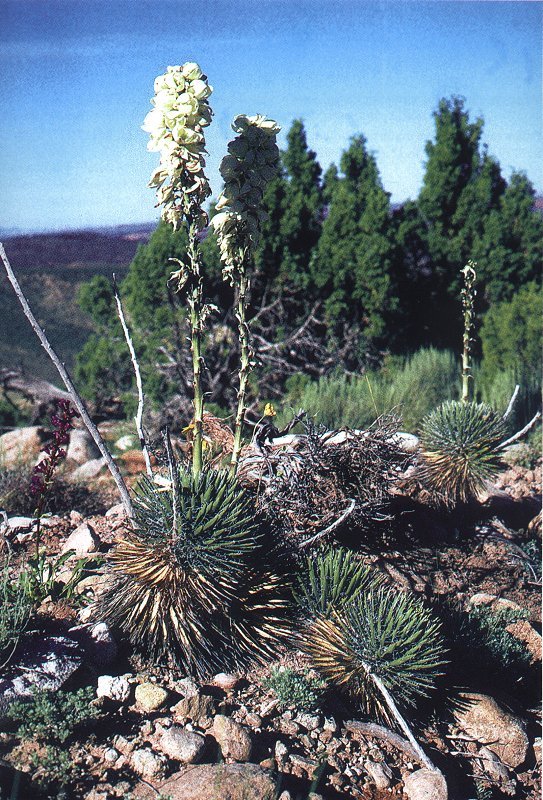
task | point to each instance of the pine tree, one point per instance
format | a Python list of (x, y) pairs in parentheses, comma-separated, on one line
[(354, 268)]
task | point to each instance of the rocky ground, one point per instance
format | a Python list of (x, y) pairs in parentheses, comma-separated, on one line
[(156, 733)]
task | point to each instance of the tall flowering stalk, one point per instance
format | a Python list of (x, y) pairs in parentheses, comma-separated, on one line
[(252, 161), (468, 296), (43, 473), (176, 127)]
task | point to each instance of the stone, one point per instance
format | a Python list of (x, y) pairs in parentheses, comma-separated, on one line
[(220, 782), (234, 740), (187, 687), (281, 751), (495, 603), (309, 721), (146, 763), (306, 765), (527, 634), (379, 773), (102, 646), (225, 681), (82, 541), (181, 744), (22, 445), (81, 447), (20, 525), (88, 471), (483, 719), (45, 662), (114, 688), (118, 510), (496, 771), (425, 784), (150, 697), (198, 708), (253, 720), (125, 442), (111, 755)]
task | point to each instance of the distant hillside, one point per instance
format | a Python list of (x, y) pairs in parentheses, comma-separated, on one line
[(50, 268)]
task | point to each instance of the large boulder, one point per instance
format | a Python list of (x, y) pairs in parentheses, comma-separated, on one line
[(21, 446), (483, 719), (217, 782), (81, 447)]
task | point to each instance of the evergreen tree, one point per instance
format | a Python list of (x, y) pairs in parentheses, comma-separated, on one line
[(354, 267)]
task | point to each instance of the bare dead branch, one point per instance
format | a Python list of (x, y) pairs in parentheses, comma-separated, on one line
[(138, 419), (512, 402), (521, 433), (321, 534), (74, 395)]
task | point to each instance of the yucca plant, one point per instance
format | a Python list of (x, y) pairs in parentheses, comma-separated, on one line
[(382, 647), (330, 579), (461, 449), (190, 581)]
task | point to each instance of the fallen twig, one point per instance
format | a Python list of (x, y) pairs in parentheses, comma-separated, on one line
[(75, 397), (521, 433), (138, 419), (397, 741), (331, 527)]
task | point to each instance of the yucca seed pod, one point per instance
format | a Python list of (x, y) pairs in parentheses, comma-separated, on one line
[(330, 579), (461, 449), (191, 581), (382, 638)]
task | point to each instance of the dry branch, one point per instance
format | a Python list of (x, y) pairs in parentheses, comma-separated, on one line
[(138, 419), (74, 395)]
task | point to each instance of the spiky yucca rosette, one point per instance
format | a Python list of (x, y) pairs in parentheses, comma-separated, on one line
[(382, 642), (191, 581), (461, 449)]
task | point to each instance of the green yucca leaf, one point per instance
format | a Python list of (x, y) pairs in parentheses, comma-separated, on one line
[(200, 592), (330, 579), (379, 637), (461, 449)]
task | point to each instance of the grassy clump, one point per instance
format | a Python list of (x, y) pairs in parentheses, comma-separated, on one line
[(461, 449), (15, 608), (409, 386), (191, 583), (294, 689)]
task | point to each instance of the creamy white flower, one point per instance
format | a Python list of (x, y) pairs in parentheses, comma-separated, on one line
[(175, 125)]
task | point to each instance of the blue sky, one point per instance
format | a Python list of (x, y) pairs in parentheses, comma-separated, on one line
[(76, 77)]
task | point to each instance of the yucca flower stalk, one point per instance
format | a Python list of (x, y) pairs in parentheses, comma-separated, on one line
[(176, 127), (252, 161), (468, 297)]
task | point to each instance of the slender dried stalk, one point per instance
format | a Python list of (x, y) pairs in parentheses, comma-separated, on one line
[(245, 357), (468, 295), (138, 419), (196, 304), (76, 398)]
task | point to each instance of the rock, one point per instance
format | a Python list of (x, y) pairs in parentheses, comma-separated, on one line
[(181, 744), (425, 784), (496, 771), (225, 681), (20, 525), (150, 697), (115, 688), (221, 781), (503, 733), (198, 708), (304, 765), (527, 634), (82, 541), (281, 751), (253, 720), (379, 773), (22, 445), (146, 763), (495, 603), (88, 471), (234, 740), (125, 442), (187, 687), (309, 721), (111, 755), (46, 662), (81, 447), (102, 645), (118, 510)]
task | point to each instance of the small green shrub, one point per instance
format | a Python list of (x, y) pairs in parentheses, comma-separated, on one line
[(296, 689), (53, 765), (484, 629), (14, 615), (52, 717), (460, 449)]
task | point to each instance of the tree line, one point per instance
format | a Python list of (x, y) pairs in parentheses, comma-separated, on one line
[(342, 276)]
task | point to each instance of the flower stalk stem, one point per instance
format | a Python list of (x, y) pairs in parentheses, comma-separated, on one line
[(245, 359), (468, 296), (195, 301)]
